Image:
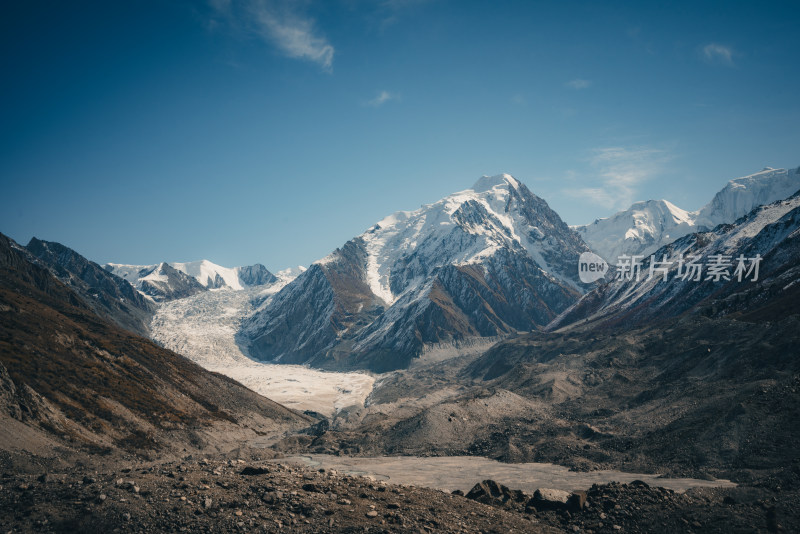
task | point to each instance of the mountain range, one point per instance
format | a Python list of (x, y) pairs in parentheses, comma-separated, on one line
[(646, 226), (732, 268), (685, 363), (168, 281), (490, 261)]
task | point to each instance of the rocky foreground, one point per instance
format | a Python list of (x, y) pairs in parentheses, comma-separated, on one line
[(264, 495)]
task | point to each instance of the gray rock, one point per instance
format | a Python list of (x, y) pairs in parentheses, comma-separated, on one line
[(549, 499)]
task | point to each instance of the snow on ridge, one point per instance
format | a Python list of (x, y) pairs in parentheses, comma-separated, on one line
[(486, 182), (403, 232), (206, 273), (741, 195), (128, 272)]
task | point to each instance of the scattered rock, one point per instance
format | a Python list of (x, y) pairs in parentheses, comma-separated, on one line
[(549, 499), (490, 492), (250, 471)]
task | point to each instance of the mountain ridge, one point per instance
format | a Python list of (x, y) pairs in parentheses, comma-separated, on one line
[(769, 235), (168, 281), (72, 379)]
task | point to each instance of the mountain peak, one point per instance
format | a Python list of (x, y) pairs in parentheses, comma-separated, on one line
[(486, 183)]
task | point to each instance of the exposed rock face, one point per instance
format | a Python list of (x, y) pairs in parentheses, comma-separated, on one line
[(256, 275), (488, 261), (106, 294), (24, 404), (163, 283), (549, 499)]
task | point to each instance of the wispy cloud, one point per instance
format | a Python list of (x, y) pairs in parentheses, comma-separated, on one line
[(280, 23), (389, 12), (717, 53), (519, 99), (579, 83), (381, 99), (617, 173)]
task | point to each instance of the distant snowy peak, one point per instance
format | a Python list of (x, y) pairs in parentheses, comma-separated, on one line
[(738, 267), (289, 274), (639, 230), (646, 226), (741, 195), (167, 281), (210, 275)]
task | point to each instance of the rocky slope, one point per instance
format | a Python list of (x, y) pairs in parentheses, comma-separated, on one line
[(695, 397), (647, 226), (234, 495), (255, 494), (488, 261), (69, 380), (106, 294)]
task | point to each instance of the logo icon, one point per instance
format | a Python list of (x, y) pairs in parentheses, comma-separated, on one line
[(591, 267)]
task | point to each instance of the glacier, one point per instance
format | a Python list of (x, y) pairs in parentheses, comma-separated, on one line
[(203, 328)]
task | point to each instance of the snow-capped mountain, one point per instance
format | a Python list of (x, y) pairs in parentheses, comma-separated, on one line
[(646, 226), (640, 229), (168, 281), (486, 261), (741, 195), (161, 282), (730, 269)]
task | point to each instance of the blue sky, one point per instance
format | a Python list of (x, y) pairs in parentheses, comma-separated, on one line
[(270, 131)]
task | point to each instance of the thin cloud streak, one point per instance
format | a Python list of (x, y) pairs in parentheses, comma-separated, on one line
[(620, 171), (280, 24), (578, 84), (717, 53), (381, 99)]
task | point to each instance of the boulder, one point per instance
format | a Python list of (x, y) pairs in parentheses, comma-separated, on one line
[(549, 499)]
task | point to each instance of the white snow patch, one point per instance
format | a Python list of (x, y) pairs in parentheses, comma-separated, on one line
[(206, 272)]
